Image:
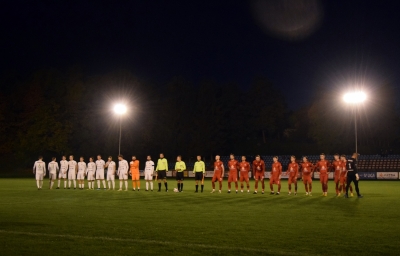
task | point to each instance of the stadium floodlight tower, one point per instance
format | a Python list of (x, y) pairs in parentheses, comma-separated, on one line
[(355, 98), (120, 110)]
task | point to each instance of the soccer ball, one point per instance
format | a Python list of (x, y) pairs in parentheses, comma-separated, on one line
[(176, 190)]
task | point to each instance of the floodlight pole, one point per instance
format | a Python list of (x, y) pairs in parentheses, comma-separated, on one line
[(119, 144), (355, 126)]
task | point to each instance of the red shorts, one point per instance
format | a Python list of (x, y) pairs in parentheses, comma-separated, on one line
[(292, 180), (244, 177), (307, 179), (343, 179), (259, 176), (274, 180), (232, 177), (337, 179), (323, 178), (216, 178)]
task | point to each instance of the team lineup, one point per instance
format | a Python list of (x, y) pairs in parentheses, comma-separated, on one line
[(344, 170)]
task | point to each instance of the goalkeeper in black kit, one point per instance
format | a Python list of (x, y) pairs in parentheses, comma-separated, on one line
[(352, 175)]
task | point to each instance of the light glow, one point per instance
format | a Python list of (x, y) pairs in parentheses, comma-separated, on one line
[(354, 97), (119, 109)]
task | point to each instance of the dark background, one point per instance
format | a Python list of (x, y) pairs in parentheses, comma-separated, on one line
[(199, 77)]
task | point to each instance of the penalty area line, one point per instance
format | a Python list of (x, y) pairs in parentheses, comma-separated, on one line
[(149, 241)]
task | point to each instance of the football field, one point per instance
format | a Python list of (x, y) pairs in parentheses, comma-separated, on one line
[(83, 222)]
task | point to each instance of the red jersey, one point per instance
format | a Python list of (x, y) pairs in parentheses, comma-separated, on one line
[(244, 167), (343, 169), (307, 168), (337, 167), (233, 165), (323, 166), (259, 166), (218, 165), (293, 169), (276, 170)]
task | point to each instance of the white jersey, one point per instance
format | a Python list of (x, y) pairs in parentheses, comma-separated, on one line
[(91, 167), (149, 168), (53, 167), (100, 164), (111, 168), (72, 165), (81, 167), (39, 167), (123, 166), (63, 166)]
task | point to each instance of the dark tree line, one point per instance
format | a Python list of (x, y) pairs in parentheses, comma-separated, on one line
[(54, 113)]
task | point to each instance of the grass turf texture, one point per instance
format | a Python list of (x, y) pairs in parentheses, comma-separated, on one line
[(67, 222)]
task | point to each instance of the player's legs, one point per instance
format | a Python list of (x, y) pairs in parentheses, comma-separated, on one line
[(309, 186), (271, 185), (290, 185), (262, 184), (213, 180), (305, 184)]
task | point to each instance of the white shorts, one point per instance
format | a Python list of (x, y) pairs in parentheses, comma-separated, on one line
[(62, 175), (110, 176), (53, 176), (81, 176), (39, 175), (123, 175), (100, 175), (148, 175), (71, 175), (90, 176)]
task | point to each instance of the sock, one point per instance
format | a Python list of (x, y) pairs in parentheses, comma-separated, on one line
[(271, 187), (241, 186), (51, 184), (41, 183), (351, 189), (290, 188), (197, 188), (37, 183), (181, 186), (256, 186), (98, 183), (159, 186), (151, 185), (213, 185), (310, 187), (306, 188), (104, 184), (109, 184), (138, 184), (74, 183), (166, 185), (83, 184), (126, 185), (133, 184), (248, 186), (295, 187), (263, 185), (220, 185), (89, 184), (59, 181), (113, 184), (120, 184), (65, 183), (229, 186), (236, 185), (147, 185), (202, 187), (279, 188), (69, 183)]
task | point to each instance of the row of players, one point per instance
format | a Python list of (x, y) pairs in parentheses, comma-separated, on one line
[(344, 173)]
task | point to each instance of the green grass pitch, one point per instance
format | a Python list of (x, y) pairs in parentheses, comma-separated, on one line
[(75, 222)]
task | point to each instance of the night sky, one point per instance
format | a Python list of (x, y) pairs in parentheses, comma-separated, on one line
[(298, 45)]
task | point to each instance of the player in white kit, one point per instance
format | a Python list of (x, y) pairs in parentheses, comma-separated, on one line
[(111, 166), (90, 173), (148, 173), (81, 173), (72, 169), (63, 172), (123, 172), (39, 169), (100, 172), (53, 169)]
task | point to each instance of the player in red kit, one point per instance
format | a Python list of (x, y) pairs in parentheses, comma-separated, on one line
[(307, 169), (259, 170), (343, 176), (275, 177), (219, 171), (337, 167), (292, 172), (233, 165), (244, 168), (323, 166)]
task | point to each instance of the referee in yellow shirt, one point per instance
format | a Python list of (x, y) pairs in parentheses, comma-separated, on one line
[(199, 171), (180, 166), (162, 169)]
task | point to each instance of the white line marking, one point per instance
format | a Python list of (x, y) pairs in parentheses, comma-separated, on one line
[(188, 245)]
